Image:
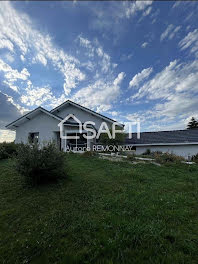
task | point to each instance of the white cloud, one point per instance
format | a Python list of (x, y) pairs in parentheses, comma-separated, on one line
[(40, 58), (6, 135), (148, 11), (36, 96), (170, 32), (110, 18), (11, 75), (176, 90), (6, 44), (125, 57), (9, 57), (190, 42), (114, 113), (144, 44), (101, 94), (17, 28), (22, 57), (95, 49), (139, 77), (119, 79), (136, 6), (22, 110), (176, 4)]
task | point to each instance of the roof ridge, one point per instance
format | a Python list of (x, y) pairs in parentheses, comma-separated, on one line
[(69, 101), (193, 129)]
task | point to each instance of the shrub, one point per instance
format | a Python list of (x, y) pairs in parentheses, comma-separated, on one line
[(131, 157), (195, 158), (167, 158), (118, 140), (40, 165), (147, 152), (7, 150)]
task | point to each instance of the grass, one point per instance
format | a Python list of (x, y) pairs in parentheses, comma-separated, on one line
[(104, 212)]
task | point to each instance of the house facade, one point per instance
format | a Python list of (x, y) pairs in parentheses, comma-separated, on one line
[(43, 126), (179, 142)]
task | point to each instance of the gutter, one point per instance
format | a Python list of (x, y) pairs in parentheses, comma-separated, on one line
[(164, 144)]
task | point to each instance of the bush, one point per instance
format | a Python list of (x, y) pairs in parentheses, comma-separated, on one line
[(118, 140), (195, 158), (7, 150), (167, 158), (131, 157), (147, 152), (40, 165)]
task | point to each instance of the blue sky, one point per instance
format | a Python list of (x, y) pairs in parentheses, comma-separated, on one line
[(126, 60)]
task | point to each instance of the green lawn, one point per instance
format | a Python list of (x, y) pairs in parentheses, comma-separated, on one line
[(104, 212)]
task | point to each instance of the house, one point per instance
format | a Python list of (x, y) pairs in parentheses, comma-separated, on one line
[(65, 126), (179, 142), (43, 126)]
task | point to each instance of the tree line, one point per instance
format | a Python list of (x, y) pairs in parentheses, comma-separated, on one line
[(193, 123)]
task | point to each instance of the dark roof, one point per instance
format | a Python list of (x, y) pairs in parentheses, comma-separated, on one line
[(161, 137)]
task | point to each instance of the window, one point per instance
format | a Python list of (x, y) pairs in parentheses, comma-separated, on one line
[(33, 137)]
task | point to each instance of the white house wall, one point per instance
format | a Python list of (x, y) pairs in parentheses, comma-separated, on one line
[(180, 150), (42, 123), (82, 115)]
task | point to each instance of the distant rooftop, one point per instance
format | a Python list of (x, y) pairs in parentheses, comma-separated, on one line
[(174, 136)]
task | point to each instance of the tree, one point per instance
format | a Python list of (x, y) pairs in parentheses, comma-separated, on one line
[(119, 138), (193, 123)]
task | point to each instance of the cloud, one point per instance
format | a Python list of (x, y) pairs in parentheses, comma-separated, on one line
[(175, 89), (144, 45), (93, 49), (17, 29), (101, 94), (36, 96), (6, 135), (9, 57), (114, 113), (12, 75), (109, 18), (148, 11), (139, 77), (119, 79), (137, 6), (41, 96), (125, 57), (9, 111), (190, 42), (170, 32)]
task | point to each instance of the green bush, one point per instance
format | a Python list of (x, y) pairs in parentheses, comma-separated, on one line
[(131, 157), (167, 158), (40, 165), (7, 150), (147, 152), (118, 140), (195, 158)]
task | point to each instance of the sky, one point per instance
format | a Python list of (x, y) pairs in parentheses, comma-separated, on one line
[(125, 60)]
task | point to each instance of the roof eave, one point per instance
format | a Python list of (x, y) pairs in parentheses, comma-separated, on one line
[(86, 109), (13, 126)]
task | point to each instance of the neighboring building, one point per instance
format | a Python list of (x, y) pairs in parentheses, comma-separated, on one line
[(180, 142), (43, 126)]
